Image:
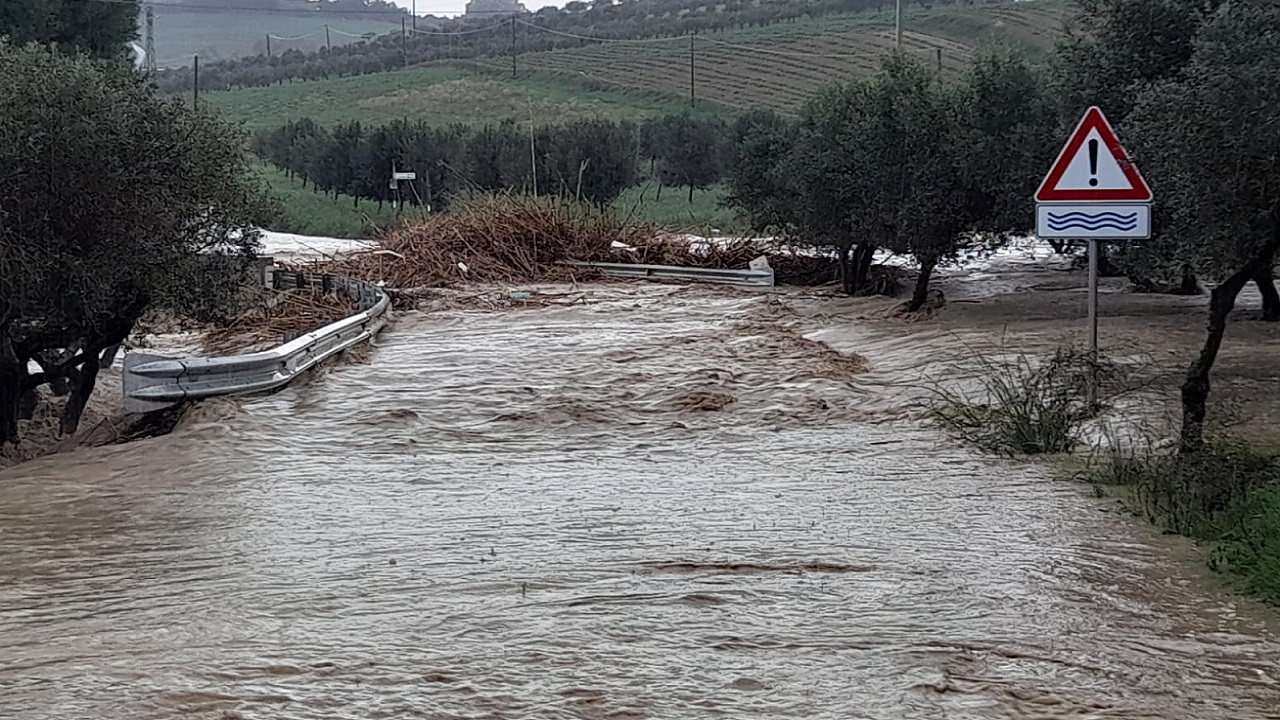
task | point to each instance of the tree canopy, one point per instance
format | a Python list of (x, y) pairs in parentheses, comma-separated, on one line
[(100, 29), (902, 161)]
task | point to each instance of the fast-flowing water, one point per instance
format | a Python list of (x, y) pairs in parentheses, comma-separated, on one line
[(664, 504)]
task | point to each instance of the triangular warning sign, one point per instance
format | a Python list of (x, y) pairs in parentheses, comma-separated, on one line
[(1093, 166)]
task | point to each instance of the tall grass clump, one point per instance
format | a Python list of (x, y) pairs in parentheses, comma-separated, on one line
[(1023, 406)]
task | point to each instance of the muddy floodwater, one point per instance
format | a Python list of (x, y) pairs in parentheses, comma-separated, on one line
[(667, 503)]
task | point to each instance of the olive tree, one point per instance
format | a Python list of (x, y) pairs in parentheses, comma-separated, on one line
[(1210, 141), (112, 201)]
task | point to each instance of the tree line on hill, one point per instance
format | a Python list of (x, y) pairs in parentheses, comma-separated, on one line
[(471, 37), (592, 160)]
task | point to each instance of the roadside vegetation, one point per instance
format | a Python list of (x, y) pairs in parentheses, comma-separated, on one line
[(114, 202)]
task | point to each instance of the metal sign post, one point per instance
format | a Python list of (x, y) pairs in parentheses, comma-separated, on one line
[(1093, 192)]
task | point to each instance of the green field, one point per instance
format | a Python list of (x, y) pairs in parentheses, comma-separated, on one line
[(438, 95), (229, 34), (671, 209), (307, 212)]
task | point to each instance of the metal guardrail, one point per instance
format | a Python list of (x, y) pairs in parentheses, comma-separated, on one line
[(155, 382), (758, 275)]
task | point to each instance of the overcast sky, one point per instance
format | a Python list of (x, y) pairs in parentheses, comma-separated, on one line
[(455, 7)]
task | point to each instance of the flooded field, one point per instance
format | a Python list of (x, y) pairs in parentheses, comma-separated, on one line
[(664, 503)]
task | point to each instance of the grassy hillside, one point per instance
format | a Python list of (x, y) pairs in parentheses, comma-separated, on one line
[(215, 35), (440, 95)]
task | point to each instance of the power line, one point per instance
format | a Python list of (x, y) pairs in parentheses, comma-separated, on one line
[(460, 32)]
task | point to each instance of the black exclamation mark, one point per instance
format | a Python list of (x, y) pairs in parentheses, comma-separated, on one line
[(1093, 163)]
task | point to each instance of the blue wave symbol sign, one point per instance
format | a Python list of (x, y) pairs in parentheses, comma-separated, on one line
[(1092, 222)]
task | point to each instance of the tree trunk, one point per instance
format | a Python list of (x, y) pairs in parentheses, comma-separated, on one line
[(846, 269), (690, 193), (921, 293), (862, 256), (1270, 298), (82, 383), (1195, 389), (659, 197), (1189, 286)]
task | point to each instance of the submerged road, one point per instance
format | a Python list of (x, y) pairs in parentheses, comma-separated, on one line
[(664, 504)]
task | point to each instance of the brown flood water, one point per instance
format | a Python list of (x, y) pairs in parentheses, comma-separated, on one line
[(555, 514)]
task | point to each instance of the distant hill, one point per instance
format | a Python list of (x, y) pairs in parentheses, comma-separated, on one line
[(184, 28), (350, 9)]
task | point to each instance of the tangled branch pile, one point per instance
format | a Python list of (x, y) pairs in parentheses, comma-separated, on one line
[(272, 317), (497, 240)]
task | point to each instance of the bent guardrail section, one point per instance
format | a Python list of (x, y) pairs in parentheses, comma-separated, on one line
[(155, 382), (759, 275)]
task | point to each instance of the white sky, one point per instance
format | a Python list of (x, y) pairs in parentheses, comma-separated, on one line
[(455, 7)]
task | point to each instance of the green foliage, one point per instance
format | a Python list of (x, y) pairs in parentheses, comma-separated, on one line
[(96, 28), (1226, 495), (759, 142), (1120, 44), (903, 161), (1211, 140), (1020, 407), (688, 150), (112, 201)]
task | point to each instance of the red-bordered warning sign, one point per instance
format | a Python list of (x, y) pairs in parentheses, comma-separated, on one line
[(1093, 167)]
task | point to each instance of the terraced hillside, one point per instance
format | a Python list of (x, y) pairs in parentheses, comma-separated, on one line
[(782, 66)]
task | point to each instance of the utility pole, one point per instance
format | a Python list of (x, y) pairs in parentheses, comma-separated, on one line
[(150, 48), (195, 82), (328, 46), (404, 43), (268, 44), (513, 46), (693, 98), (415, 14), (897, 26)]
